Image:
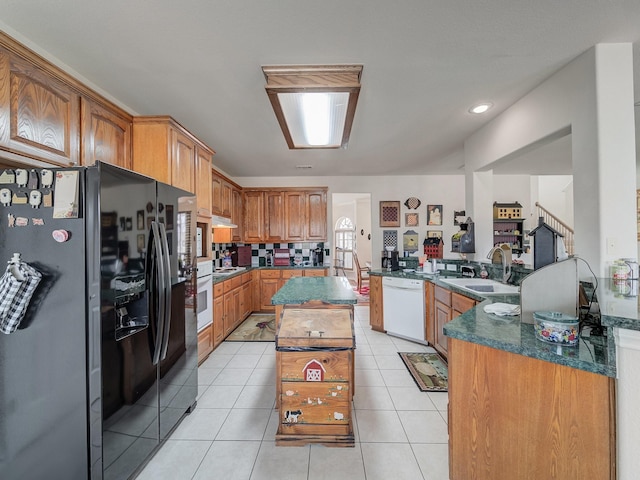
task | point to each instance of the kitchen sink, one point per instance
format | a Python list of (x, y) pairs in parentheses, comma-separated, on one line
[(483, 286), (224, 271)]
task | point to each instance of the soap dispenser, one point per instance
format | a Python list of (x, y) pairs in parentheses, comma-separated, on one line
[(483, 272)]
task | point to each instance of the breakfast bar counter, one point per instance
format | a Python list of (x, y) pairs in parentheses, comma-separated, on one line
[(523, 408)]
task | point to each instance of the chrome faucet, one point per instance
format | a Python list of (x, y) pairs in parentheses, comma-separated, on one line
[(506, 265)]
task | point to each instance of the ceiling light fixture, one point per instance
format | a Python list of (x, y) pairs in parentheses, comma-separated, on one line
[(480, 108), (314, 104)]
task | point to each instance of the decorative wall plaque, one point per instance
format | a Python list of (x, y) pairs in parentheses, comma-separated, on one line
[(390, 214)]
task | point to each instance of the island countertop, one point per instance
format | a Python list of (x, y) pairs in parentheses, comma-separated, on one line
[(297, 290)]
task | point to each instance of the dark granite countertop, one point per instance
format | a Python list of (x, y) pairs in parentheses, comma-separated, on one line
[(593, 354), (297, 290), (619, 303), (222, 278)]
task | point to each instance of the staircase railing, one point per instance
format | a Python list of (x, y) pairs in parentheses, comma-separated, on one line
[(558, 225)]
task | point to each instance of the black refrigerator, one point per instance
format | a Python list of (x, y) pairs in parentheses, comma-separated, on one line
[(103, 363)]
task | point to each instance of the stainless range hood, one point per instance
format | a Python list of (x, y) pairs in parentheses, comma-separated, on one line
[(221, 222)]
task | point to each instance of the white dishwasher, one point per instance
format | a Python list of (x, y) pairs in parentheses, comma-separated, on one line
[(403, 308)]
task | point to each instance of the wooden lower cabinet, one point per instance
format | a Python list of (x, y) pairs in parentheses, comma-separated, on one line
[(512, 416), (316, 273), (205, 343), (272, 280), (269, 285), (376, 319), (447, 305), (429, 309), (218, 318)]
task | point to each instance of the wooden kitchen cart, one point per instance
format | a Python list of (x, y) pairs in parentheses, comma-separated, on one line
[(315, 346)]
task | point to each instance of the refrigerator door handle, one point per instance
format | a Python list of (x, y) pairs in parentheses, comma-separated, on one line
[(160, 289), (167, 291)]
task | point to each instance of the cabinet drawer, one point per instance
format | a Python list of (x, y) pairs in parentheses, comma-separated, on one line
[(443, 295), (461, 303), (291, 273), (316, 431), (295, 366), (232, 283), (236, 281), (270, 274), (313, 402), (246, 277), (218, 289)]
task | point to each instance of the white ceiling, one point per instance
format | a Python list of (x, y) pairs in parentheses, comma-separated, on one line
[(425, 63)]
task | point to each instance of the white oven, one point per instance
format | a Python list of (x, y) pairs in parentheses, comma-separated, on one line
[(204, 300)]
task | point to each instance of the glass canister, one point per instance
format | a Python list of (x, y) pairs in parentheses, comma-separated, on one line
[(556, 327), (620, 270)]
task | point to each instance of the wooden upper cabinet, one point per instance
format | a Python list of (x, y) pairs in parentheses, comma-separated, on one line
[(236, 215), (274, 216), (39, 115), (216, 194), (226, 199), (183, 163), (105, 134), (253, 216), (203, 180), (316, 215), (289, 214), (220, 195), (166, 151), (294, 215)]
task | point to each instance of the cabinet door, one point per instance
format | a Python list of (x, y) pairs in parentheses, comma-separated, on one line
[(205, 343), (229, 312), (274, 216), (183, 161), (316, 216), (268, 288), (245, 301), (460, 304), (216, 195), (236, 215), (203, 180), (429, 312), (294, 216), (39, 116), (218, 320), (376, 319), (226, 199), (442, 316), (253, 217), (106, 136)]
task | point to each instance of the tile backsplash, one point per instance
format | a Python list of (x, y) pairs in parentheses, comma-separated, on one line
[(259, 251)]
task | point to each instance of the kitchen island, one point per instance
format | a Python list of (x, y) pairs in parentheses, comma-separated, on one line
[(315, 344)]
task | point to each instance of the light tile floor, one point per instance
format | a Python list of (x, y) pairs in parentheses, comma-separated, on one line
[(401, 433)]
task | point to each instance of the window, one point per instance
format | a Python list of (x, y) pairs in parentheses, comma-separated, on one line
[(345, 234)]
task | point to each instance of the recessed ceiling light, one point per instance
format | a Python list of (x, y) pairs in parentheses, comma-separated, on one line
[(480, 108), (304, 166)]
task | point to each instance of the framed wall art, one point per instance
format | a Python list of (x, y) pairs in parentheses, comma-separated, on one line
[(169, 215), (434, 234), (140, 218), (140, 242), (434, 214), (410, 219), (390, 214)]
